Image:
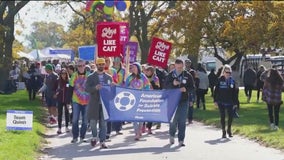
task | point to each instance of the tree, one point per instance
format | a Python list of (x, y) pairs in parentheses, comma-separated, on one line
[(183, 24), (46, 34), (17, 47), (238, 27), (254, 27), (81, 32), (8, 10), (141, 15)]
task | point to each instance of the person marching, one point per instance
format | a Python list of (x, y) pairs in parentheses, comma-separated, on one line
[(137, 80), (113, 73), (63, 96), (272, 95), (180, 78), (120, 70), (80, 99), (95, 112), (155, 84), (50, 90), (225, 97)]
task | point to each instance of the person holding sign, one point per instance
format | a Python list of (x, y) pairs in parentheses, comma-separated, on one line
[(179, 78), (137, 80)]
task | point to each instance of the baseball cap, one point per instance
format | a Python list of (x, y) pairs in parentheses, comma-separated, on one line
[(100, 61)]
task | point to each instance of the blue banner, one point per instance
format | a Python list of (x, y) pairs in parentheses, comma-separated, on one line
[(133, 105), (87, 53), (61, 51)]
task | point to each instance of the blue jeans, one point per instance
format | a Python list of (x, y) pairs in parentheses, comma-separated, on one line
[(77, 109), (179, 121), (102, 127)]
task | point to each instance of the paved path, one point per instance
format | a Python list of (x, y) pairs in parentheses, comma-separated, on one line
[(202, 143)]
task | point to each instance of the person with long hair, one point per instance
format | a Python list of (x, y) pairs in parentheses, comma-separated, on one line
[(137, 80), (271, 94), (225, 97), (63, 96)]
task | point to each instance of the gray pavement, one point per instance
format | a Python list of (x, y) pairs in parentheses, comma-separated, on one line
[(202, 143)]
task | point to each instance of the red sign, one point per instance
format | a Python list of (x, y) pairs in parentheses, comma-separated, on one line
[(124, 32), (108, 39), (159, 52)]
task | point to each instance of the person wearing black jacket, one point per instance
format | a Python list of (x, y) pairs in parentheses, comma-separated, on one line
[(63, 96), (212, 81), (33, 81), (179, 78), (225, 97)]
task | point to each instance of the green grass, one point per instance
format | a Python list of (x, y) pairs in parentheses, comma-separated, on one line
[(253, 122), (22, 145)]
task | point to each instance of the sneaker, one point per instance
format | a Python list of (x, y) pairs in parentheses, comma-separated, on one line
[(181, 144), (59, 131), (118, 133), (93, 142), (272, 126), (83, 140), (172, 140), (276, 128), (74, 140), (67, 129), (103, 146)]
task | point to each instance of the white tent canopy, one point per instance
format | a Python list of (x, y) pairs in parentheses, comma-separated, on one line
[(37, 54), (44, 54), (25, 55)]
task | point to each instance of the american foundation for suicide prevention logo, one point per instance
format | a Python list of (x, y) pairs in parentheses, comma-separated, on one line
[(124, 101)]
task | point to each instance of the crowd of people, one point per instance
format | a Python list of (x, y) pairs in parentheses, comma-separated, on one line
[(74, 88)]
